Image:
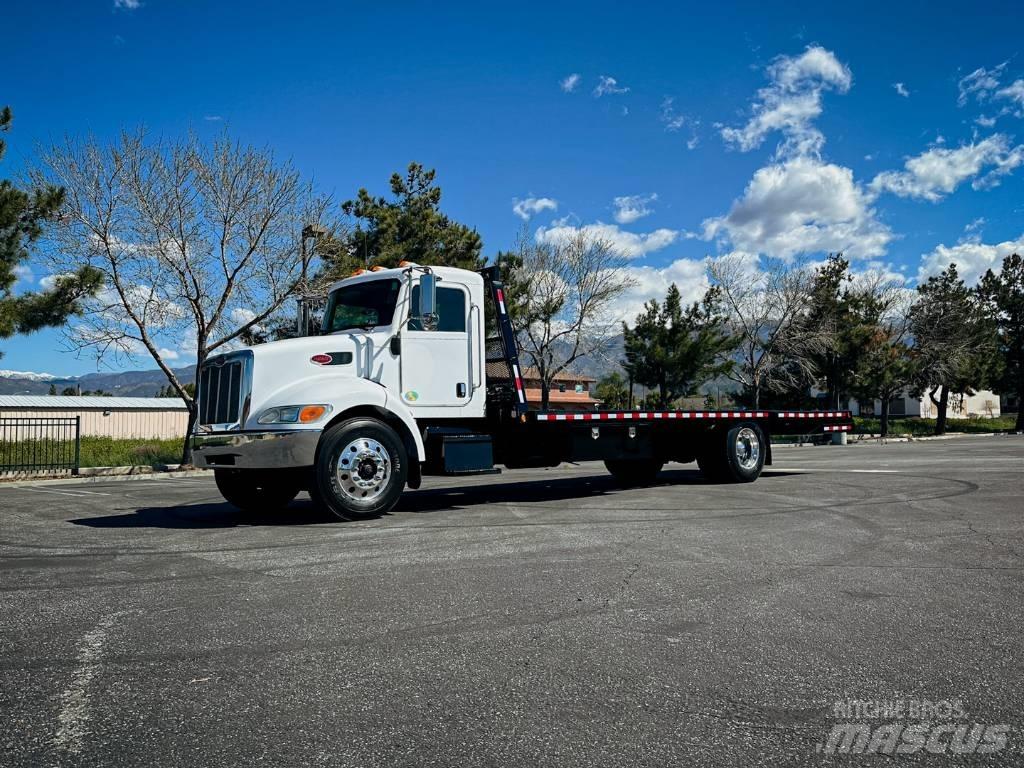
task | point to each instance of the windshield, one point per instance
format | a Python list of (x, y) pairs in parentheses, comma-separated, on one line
[(362, 305)]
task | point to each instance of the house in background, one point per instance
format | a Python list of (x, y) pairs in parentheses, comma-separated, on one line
[(569, 391), (982, 404), (117, 417)]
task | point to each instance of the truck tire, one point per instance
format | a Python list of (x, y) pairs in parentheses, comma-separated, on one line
[(734, 455), (360, 469), (634, 472), (256, 490)]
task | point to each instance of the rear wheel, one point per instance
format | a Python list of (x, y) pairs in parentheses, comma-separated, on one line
[(256, 490), (360, 470), (734, 455), (632, 472)]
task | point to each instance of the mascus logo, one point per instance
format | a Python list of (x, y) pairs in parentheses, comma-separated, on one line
[(321, 359)]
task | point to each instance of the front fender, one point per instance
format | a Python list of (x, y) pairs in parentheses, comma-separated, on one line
[(346, 394)]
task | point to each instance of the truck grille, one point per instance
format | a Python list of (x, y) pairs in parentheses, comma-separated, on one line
[(223, 388)]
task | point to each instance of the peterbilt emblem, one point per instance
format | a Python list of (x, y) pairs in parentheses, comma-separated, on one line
[(321, 359)]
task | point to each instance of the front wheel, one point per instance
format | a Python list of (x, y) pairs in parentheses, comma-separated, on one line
[(256, 490), (360, 469), (632, 472), (734, 455)]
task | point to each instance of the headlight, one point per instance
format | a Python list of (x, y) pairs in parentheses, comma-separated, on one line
[(294, 414)]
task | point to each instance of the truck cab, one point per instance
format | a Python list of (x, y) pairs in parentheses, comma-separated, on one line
[(401, 346)]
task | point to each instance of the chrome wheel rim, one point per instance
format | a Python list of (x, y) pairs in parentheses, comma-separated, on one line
[(748, 448), (364, 468)]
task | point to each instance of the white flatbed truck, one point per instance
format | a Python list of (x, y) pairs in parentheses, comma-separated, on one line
[(413, 376)]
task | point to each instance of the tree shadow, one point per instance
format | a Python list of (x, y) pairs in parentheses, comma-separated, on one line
[(474, 493)]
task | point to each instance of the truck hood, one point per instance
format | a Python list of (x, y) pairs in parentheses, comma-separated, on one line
[(311, 369)]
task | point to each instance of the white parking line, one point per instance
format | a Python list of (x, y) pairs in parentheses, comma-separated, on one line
[(66, 493)]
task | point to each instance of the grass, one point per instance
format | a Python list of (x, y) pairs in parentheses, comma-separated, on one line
[(97, 451), (921, 427)]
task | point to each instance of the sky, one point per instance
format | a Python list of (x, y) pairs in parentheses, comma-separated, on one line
[(892, 132)]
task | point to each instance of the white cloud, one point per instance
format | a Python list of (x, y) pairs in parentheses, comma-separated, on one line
[(49, 282), (984, 121), (802, 206), (939, 171), (690, 275), (980, 84), (213, 118), (531, 206), (167, 354), (976, 225), (569, 83), (1014, 92), (791, 101), (971, 258), (630, 245), (632, 207), (901, 90), (669, 117), (608, 85), (127, 5), (23, 273), (985, 85)]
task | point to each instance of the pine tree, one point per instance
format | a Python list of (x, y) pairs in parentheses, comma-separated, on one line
[(1003, 298), (23, 214), (952, 341), (408, 227), (675, 349)]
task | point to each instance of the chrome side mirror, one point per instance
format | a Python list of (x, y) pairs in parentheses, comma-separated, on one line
[(428, 300)]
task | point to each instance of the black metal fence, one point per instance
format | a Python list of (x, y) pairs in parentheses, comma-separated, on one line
[(40, 444)]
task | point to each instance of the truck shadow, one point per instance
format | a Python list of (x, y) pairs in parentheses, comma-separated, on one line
[(477, 493)]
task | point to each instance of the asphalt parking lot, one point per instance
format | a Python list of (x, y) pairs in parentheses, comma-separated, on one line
[(544, 617)]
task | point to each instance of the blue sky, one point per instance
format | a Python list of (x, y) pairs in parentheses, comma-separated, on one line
[(891, 131)]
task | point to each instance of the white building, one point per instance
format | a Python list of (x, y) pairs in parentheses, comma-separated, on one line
[(118, 417), (982, 404)]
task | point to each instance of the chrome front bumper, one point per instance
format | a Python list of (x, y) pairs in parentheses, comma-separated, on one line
[(255, 450)]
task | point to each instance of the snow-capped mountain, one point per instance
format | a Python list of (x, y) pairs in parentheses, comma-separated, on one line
[(32, 376)]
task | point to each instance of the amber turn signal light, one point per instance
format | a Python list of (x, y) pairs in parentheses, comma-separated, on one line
[(311, 413)]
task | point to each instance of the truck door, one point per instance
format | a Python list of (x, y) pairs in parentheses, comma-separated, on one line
[(435, 364)]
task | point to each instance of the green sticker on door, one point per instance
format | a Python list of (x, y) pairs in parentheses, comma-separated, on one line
[(411, 396)]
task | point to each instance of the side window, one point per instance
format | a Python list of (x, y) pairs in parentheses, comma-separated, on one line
[(451, 310)]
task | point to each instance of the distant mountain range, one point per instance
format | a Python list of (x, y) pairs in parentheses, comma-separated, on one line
[(147, 383), (121, 383)]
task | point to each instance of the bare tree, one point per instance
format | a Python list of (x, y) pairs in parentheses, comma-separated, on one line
[(198, 244), (767, 309), (566, 293)]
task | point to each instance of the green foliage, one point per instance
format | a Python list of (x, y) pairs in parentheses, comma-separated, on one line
[(104, 451), (23, 214), (69, 391), (675, 349), (169, 391), (923, 427), (848, 318), (1002, 298), (53, 389), (612, 392), (953, 340), (407, 227)]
